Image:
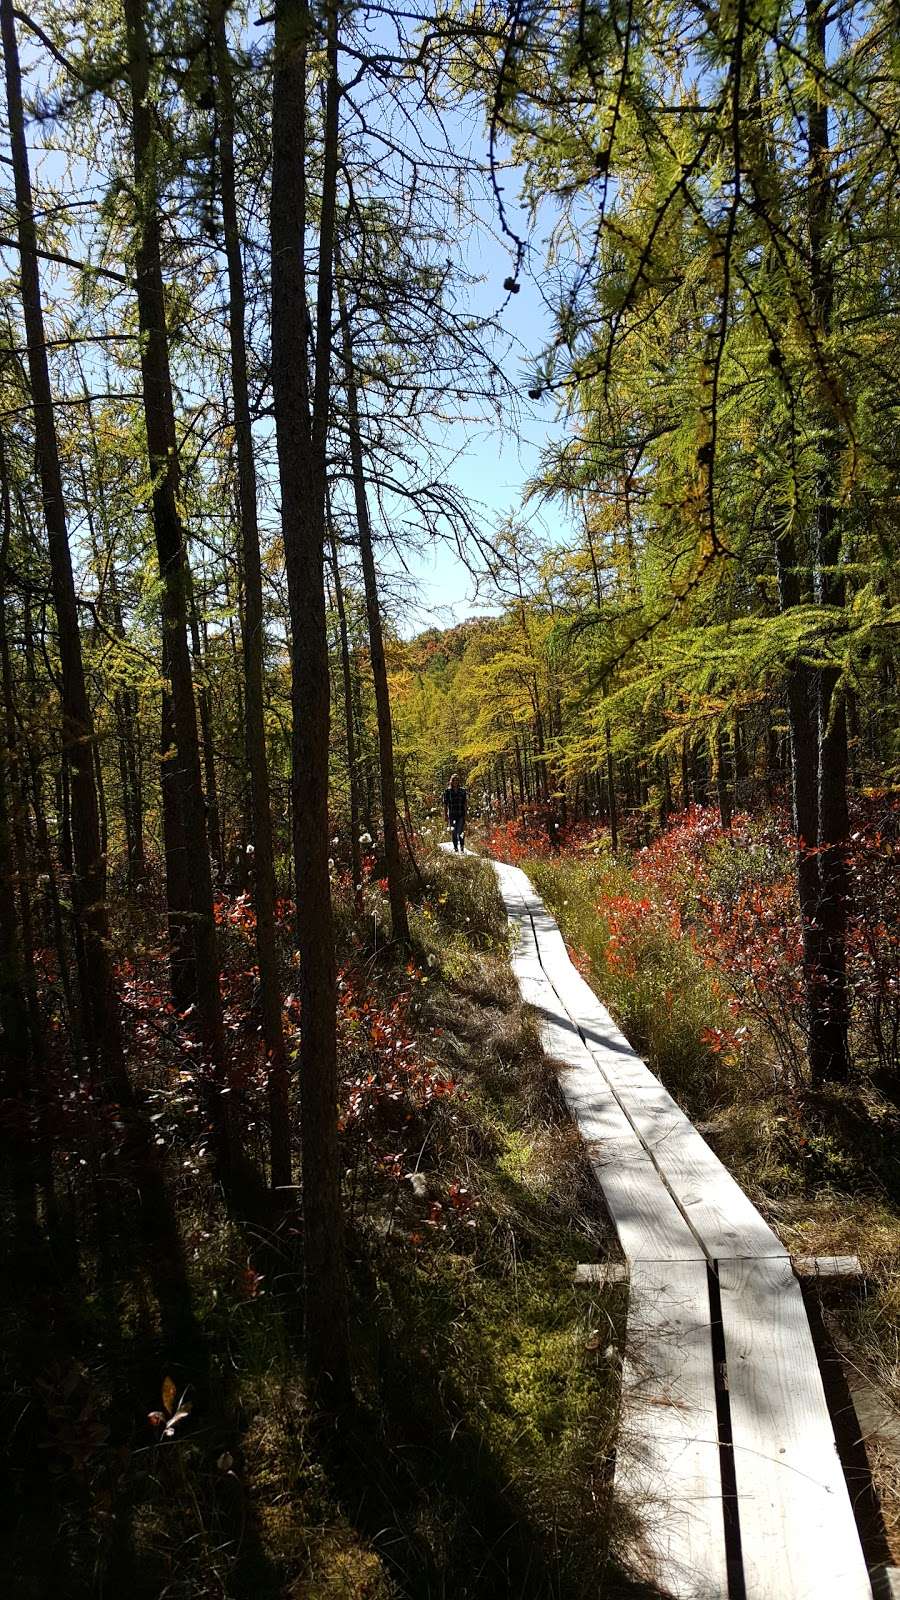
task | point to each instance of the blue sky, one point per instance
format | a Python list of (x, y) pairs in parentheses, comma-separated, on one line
[(492, 463)]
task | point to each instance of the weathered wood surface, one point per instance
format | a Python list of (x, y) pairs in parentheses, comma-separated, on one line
[(798, 1532), (723, 1218), (667, 1454), (649, 1224), (827, 1268), (678, 1211), (600, 1273)]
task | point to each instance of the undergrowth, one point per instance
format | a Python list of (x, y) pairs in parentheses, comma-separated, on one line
[(158, 1437), (822, 1163)]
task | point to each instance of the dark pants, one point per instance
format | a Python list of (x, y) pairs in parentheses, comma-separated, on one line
[(458, 825)]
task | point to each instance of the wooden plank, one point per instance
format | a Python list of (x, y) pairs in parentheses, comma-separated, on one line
[(649, 1225), (600, 1273), (827, 1268), (724, 1218), (645, 1216), (667, 1456), (798, 1533)]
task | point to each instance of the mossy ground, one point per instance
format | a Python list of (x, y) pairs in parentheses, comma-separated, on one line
[(477, 1460)]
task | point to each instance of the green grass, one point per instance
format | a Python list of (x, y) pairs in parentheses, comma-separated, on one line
[(657, 988)]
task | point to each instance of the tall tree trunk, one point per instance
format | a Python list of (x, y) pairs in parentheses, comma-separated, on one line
[(667, 806), (14, 1020), (723, 789), (137, 856), (159, 418), (685, 772), (101, 802), (519, 773), (17, 1083), (829, 1058), (301, 435), (182, 953), (100, 1001), (132, 807), (611, 800), (253, 637), (18, 808), (204, 708), (350, 731), (125, 701), (396, 888)]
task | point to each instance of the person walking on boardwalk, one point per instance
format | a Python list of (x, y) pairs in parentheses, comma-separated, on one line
[(455, 803)]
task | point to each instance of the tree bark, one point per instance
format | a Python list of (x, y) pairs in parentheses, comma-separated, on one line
[(159, 418), (611, 801), (125, 701), (301, 431), (182, 955), (723, 789), (350, 730), (17, 802), (204, 709), (253, 637), (100, 1001), (829, 1057), (14, 1022), (396, 887)]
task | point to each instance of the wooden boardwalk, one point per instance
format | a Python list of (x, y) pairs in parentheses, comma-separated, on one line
[(726, 1450)]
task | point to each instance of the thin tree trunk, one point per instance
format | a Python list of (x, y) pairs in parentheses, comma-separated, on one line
[(301, 436), (685, 772), (611, 801), (350, 731), (171, 549), (519, 774), (14, 1020), (204, 708), (667, 788), (125, 701), (16, 1082), (101, 1008), (253, 638), (829, 1057), (396, 887), (18, 805), (723, 790), (182, 953), (101, 802)]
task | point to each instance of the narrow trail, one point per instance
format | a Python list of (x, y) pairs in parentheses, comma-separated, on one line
[(726, 1450)]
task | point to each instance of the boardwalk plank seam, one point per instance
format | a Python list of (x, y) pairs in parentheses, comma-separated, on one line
[(797, 1534)]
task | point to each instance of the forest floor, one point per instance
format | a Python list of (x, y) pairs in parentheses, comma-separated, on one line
[(157, 1434), (158, 1437)]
